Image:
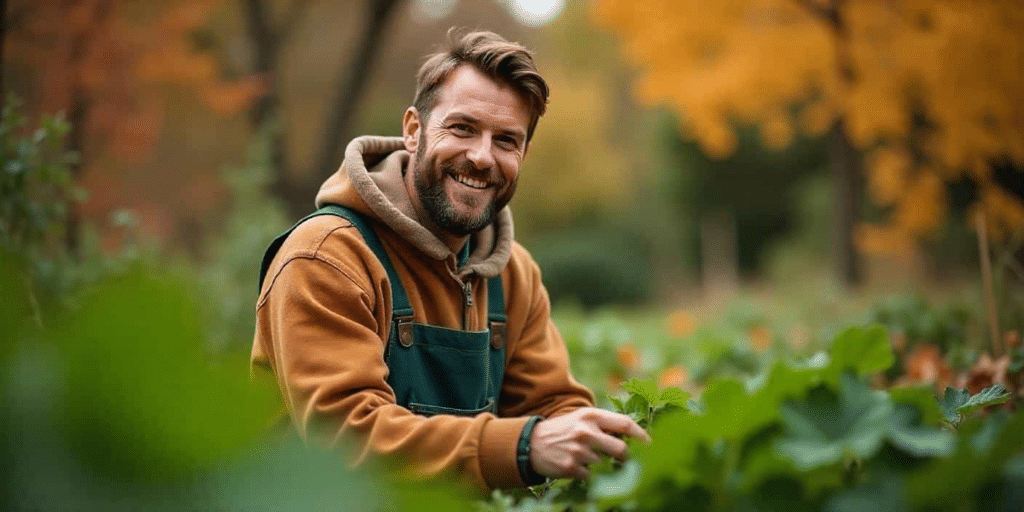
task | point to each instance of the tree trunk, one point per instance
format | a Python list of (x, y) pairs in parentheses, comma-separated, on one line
[(265, 113), (78, 117), (337, 132), (848, 188), (3, 33)]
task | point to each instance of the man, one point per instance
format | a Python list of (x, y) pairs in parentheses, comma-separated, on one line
[(409, 320)]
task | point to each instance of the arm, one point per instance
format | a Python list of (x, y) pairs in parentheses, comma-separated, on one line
[(537, 376), (538, 382), (320, 329)]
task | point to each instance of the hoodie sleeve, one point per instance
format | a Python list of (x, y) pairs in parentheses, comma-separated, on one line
[(537, 376), (318, 330)]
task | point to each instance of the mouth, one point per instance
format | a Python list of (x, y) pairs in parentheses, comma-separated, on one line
[(470, 182)]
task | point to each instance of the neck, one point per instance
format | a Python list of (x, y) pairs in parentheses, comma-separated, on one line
[(455, 243)]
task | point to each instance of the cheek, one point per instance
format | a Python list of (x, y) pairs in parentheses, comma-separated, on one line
[(510, 167)]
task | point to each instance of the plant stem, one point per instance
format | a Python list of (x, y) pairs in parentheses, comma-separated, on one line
[(732, 461), (987, 284), (36, 310)]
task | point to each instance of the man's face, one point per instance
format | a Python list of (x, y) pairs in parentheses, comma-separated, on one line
[(467, 153)]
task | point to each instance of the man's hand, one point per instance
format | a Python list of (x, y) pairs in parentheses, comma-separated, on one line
[(564, 446)]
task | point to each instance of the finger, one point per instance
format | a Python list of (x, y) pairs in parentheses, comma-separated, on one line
[(587, 456), (580, 473), (639, 433), (621, 424), (610, 445)]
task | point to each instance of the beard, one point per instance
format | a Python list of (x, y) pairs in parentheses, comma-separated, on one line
[(429, 180)]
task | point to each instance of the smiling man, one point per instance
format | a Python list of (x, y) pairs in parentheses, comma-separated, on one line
[(402, 314)]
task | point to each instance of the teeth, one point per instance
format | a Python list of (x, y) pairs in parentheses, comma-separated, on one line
[(470, 182)]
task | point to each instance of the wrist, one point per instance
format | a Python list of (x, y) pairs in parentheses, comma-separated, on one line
[(526, 471)]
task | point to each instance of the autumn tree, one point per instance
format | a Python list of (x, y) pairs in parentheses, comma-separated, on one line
[(103, 63), (914, 94)]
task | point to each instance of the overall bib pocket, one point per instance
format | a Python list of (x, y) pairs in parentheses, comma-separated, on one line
[(435, 370)]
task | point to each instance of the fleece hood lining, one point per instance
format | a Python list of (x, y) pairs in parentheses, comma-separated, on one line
[(381, 190)]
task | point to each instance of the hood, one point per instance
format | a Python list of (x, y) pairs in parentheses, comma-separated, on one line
[(370, 181)]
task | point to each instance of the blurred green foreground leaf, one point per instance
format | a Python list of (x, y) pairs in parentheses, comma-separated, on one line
[(117, 406)]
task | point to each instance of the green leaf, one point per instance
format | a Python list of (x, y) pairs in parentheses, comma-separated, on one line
[(922, 399), (884, 493), (784, 382), (694, 406), (617, 403), (976, 464), (952, 400), (1014, 468), (992, 395), (615, 488), (670, 458), (920, 440), (143, 397), (863, 350), (637, 409), (827, 427), (730, 413), (674, 396), (645, 388), (956, 403)]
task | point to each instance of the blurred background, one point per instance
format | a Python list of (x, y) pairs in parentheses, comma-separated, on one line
[(767, 169)]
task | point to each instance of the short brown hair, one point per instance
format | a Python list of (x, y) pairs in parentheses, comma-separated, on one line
[(502, 61)]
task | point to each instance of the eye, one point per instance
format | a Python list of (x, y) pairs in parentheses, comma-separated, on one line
[(508, 142), (461, 129)]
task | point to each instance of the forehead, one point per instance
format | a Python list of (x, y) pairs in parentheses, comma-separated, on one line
[(468, 91)]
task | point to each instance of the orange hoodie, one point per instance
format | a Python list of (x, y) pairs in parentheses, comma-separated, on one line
[(323, 318)]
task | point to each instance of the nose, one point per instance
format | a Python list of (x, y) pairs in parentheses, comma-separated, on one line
[(480, 153)]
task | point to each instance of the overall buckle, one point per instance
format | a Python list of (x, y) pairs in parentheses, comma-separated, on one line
[(405, 336)]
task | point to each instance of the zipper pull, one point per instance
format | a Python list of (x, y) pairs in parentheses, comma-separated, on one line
[(467, 289)]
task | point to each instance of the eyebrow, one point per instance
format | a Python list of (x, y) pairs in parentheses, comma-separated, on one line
[(454, 116)]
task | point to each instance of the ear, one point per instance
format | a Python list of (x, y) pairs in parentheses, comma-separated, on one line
[(411, 129)]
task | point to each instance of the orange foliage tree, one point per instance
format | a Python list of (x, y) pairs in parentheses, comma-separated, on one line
[(103, 63), (915, 93)]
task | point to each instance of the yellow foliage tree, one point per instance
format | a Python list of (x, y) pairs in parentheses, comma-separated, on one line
[(573, 168), (926, 91)]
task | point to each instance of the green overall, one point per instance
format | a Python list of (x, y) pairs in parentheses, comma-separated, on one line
[(432, 370)]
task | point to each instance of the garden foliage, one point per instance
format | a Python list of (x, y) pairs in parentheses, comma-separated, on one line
[(811, 434)]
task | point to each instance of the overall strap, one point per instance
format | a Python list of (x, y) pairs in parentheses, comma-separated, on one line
[(496, 318), (495, 300), (399, 301)]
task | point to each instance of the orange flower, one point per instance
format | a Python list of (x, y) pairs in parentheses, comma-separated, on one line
[(760, 338), (628, 356), (672, 376), (614, 382), (925, 364), (1011, 339), (681, 323)]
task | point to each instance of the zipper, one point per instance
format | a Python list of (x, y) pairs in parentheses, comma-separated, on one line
[(467, 288), (467, 291)]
